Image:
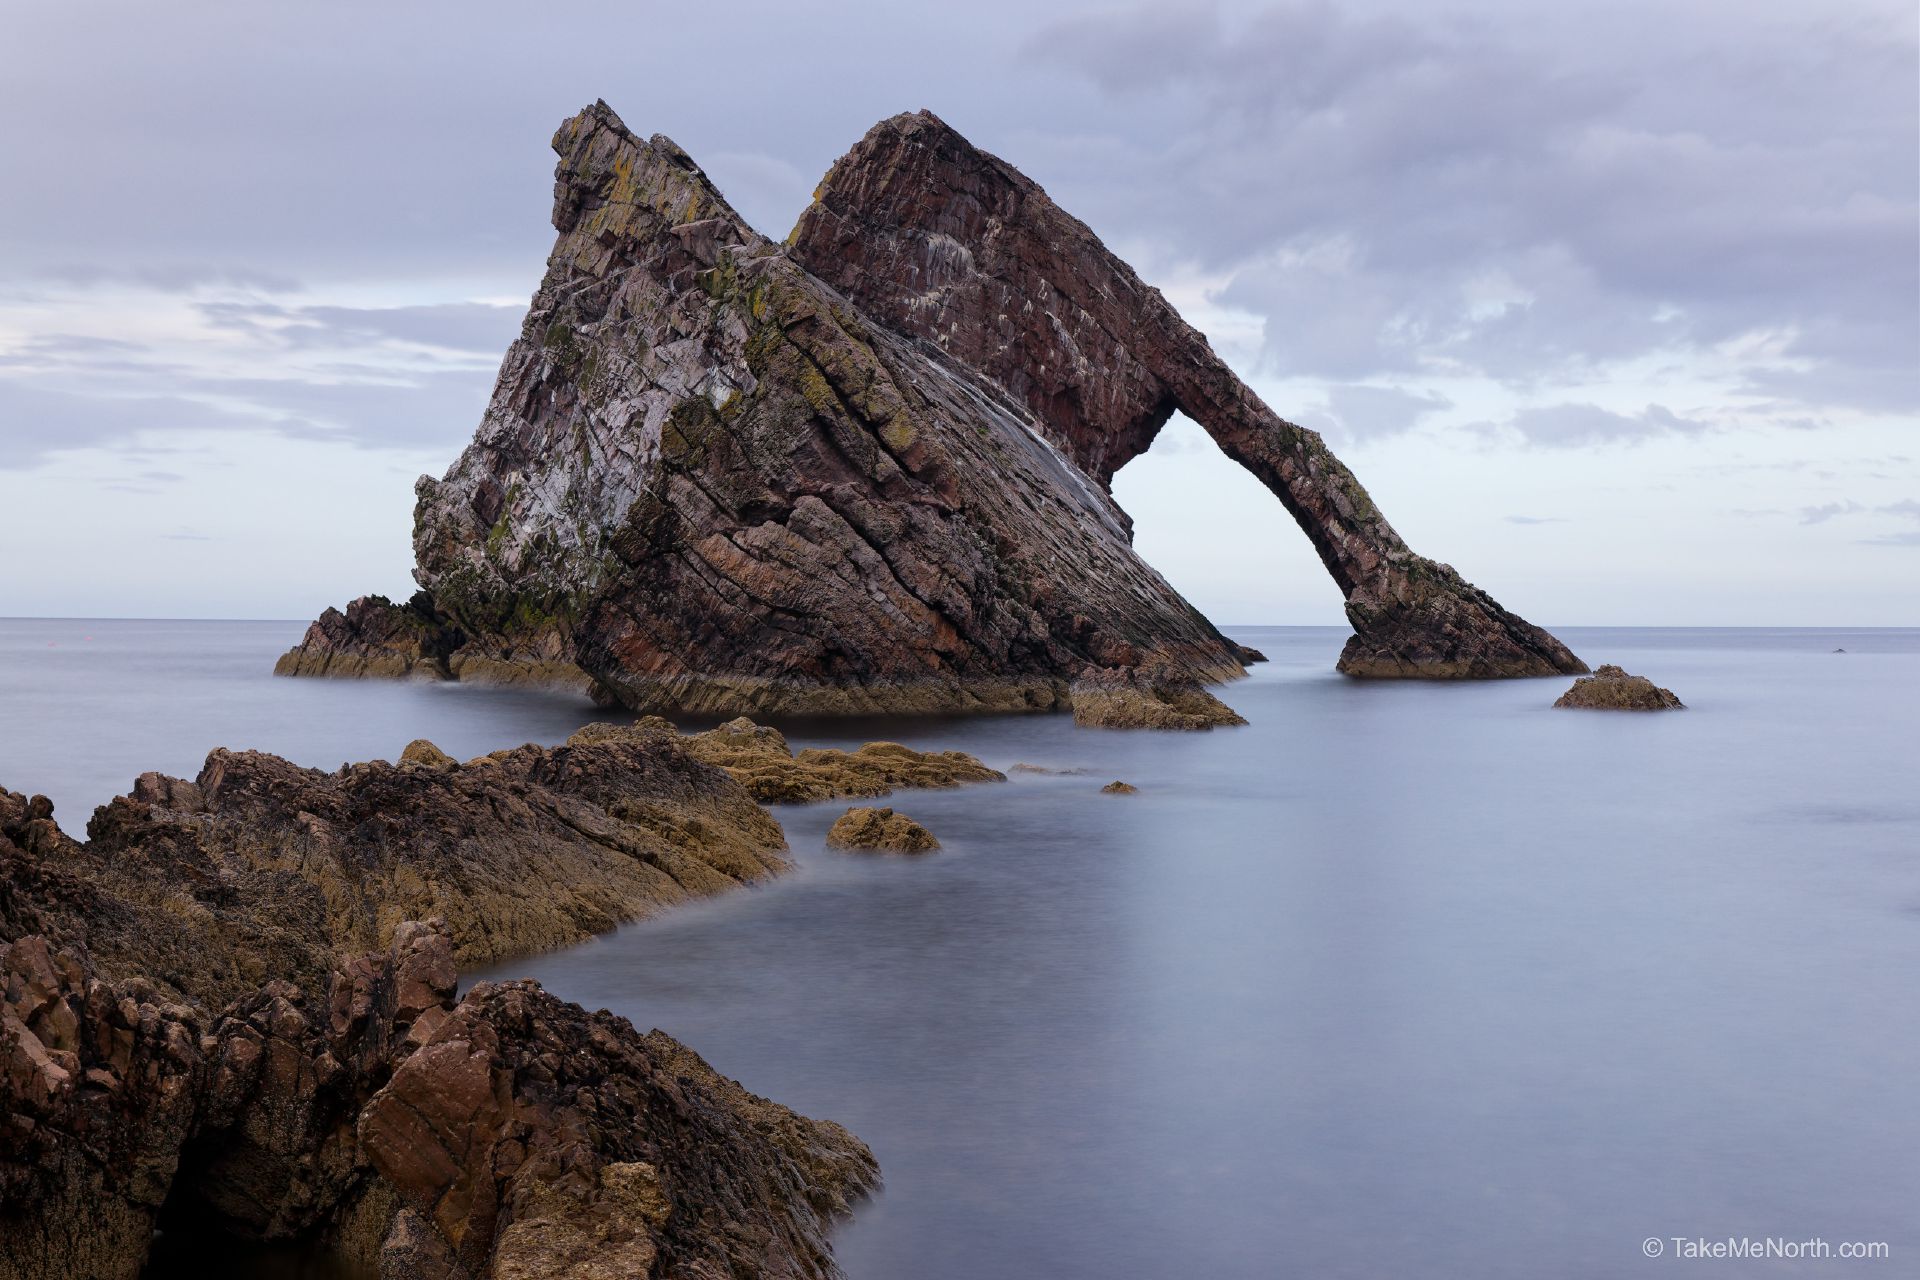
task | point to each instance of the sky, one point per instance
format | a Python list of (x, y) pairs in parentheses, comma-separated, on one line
[(1615, 307)]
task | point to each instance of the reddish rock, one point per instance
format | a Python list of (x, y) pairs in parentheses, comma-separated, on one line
[(935, 238)]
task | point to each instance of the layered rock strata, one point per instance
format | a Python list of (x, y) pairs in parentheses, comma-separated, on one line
[(712, 483), (222, 1016), (867, 471), (935, 238)]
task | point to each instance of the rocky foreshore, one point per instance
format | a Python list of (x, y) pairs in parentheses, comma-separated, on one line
[(231, 1013), (864, 471)]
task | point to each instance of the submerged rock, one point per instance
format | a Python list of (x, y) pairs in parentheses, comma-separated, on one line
[(759, 757), (1118, 788), (867, 471), (880, 829), (1612, 689), (1122, 700)]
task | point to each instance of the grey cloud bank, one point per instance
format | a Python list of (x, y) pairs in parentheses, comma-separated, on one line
[(1557, 248)]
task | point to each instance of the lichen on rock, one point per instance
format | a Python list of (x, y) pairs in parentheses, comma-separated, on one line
[(759, 757)]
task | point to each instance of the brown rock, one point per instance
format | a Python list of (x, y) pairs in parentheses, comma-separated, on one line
[(425, 754), (1118, 788), (861, 828), (529, 1138), (191, 1039), (279, 868), (1612, 689), (758, 756), (1126, 700)]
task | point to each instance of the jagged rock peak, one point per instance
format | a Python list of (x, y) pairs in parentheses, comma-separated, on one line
[(715, 486)]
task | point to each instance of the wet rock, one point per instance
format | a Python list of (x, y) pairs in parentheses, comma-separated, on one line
[(1118, 788), (1123, 700), (865, 828), (928, 234), (375, 638), (1612, 689), (759, 757)]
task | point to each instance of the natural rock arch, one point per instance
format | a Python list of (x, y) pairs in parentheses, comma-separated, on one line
[(864, 472), (936, 238)]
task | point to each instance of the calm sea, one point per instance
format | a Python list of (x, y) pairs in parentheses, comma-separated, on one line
[(1402, 980)]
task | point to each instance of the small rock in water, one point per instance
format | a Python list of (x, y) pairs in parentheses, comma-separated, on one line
[(865, 828), (1839, 650), (1612, 689), (1118, 788)]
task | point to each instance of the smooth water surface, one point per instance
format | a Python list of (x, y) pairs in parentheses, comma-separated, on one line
[(1401, 980)]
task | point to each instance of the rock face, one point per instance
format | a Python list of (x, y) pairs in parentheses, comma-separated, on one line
[(864, 472), (880, 829), (218, 1019), (1612, 689), (929, 235), (530, 1138), (714, 485), (758, 756), (614, 825)]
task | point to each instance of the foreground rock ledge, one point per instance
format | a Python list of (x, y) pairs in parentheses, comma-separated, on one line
[(217, 1020), (1612, 689), (867, 471)]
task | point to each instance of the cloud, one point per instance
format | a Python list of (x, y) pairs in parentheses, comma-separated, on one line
[(1368, 412), (1578, 425), (168, 277), (406, 377), (1827, 511), (1906, 509), (476, 327), (1536, 519), (1533, 194)]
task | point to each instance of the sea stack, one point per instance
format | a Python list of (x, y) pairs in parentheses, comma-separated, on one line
[(723, 475)]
